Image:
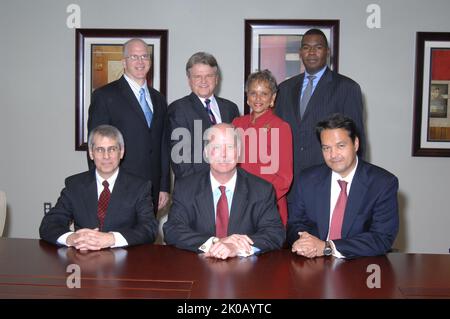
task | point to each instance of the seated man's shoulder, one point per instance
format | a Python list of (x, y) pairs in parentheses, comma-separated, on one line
[(378, 173), (79, 178), (257, 183), (313, 172)]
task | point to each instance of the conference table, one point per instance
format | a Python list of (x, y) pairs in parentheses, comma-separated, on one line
[(31, 268)]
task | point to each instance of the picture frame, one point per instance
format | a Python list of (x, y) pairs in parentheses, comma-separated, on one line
[(275, 44), (98, 55), (431, 123)]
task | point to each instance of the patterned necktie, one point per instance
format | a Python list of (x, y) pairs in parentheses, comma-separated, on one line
[(222, 214), (306, 95), (103, 204), (145, 107), (338, 212), (210, 113)]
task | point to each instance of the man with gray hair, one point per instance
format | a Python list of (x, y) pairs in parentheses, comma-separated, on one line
[(108, 206), (224, 211), (190, 116), (139, 112)]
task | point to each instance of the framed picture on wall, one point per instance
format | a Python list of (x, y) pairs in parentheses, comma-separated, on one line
[(431, 132), (275, 45), (98, 61)]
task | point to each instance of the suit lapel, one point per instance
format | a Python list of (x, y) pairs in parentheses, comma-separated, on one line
[(156, 109), (90, 197), (295, 97), (200, 110), (323, 203), (133, 103), (239, 203), (205, 203), (356, 196)]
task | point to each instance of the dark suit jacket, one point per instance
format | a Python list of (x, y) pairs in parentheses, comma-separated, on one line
[(191, 220), (334, 93), (146, 149), (371, 216), (129, 212), (181, 114)]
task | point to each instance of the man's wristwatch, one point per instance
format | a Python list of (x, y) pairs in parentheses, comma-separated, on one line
[(327, 251)]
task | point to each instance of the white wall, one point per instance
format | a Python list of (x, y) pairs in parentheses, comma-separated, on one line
[(37, 90)]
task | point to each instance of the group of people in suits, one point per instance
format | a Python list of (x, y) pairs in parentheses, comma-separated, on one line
[(271, 176)]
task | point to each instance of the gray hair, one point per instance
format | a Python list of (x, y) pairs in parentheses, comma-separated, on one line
[(201, 58), (262, 76), (127, 44), (106, 131)]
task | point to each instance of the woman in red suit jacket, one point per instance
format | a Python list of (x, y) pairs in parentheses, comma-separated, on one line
[(267, 139)]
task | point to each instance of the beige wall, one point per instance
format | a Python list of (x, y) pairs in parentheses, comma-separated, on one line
[(37, 90)]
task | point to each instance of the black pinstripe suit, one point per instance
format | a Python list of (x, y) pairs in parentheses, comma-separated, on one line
[(334, 93)]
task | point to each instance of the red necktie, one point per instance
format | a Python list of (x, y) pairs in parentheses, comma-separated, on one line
[(222, 214), (210, 113), (103, 204), (338, 212)]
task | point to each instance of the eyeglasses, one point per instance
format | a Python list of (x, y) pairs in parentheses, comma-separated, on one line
[(109, 150), (134, 57), (207, 77)]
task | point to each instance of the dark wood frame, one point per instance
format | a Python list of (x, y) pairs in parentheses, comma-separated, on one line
[(253, 25), (419, 99), (80, 76)]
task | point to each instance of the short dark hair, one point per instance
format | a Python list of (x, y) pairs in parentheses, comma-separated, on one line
[(336, 121), (315, 32), (262, 76)]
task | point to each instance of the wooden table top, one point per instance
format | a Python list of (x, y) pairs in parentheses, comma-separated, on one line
[(31, 268)]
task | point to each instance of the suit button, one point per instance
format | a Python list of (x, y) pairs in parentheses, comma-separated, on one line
[(302, 148)]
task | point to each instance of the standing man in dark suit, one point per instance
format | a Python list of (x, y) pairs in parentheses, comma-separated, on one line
[(346, 207), (139, 112), (190, 116), (302, 105), (109, 207), (224, 211)]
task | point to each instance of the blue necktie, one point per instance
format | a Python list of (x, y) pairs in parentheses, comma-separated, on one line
[(145, 107)]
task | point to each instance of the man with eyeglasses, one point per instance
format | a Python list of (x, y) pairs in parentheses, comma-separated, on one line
[(139, 112), (190, 116), (108, 206)]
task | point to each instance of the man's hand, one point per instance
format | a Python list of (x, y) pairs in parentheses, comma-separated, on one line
[(90, 239), (308, 245), (163, 199), (230, 246)]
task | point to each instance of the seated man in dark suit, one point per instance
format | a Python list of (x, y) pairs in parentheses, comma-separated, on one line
[(190, 116), (347, 207), (225, 211), (109, 207)]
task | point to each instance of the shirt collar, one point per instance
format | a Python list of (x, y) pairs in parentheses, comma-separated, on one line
[(318, 75), (136, 87), (349, 178), (111, 180), (263, 118), (230, 185)]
